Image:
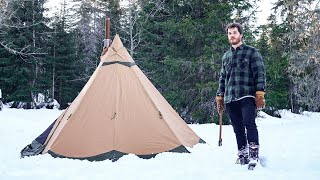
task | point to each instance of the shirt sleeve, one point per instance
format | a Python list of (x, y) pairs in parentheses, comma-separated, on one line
[(221, 88), (258, 70)]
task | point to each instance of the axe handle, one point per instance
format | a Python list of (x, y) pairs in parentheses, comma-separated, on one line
[(220, 129)]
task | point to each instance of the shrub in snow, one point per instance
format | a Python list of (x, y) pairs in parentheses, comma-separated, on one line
[(1, 105), (39, 101), (52, 104), (272, 112)]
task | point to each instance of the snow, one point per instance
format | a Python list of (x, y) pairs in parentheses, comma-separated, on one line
[(290, 149)]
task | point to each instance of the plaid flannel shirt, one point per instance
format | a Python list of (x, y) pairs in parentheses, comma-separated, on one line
[(242, 73)]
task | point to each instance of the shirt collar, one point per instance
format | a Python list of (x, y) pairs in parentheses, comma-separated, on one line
[(240, 47)]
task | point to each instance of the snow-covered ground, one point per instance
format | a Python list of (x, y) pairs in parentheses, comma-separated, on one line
[(290, 148)]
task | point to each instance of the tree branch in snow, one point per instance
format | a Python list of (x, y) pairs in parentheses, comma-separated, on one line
[(23, 52)]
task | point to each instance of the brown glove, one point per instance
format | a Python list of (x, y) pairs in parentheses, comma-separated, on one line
[(260, 102), (220, 105)]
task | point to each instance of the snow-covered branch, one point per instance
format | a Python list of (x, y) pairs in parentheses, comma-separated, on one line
[(20, 26), (23, 52)]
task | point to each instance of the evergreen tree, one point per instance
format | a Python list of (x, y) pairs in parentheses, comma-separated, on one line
[(271, 48), (181, 51), (305, 60), (63, 67), (89, 28), (299, 19), (88, 43), (22, 40)]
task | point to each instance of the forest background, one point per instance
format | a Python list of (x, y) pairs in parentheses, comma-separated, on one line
[(178, 44)]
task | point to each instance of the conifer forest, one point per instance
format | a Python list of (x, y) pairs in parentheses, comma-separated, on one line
[(178, 44)]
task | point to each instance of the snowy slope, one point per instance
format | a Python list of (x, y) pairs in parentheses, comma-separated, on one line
[(289, 146)]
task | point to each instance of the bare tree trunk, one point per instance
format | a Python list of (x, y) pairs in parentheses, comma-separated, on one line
[(291, 5), (53, 66), (34, 46), (134, 31), (131, 34), (53, 76)]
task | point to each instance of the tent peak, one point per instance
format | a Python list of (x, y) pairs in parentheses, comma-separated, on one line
[(116, 43), (116, 52)]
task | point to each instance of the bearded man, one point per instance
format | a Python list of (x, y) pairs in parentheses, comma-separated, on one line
[(241, 91)]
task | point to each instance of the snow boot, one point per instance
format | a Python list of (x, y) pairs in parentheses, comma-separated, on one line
[(243, 156), (253, 155), (253, 151)]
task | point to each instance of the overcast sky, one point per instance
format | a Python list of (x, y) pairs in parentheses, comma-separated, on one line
[(265, 8)]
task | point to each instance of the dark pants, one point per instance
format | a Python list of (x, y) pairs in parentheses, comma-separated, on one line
[(242, 114)]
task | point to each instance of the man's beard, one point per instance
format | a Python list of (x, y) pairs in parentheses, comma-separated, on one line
[(235, 42)]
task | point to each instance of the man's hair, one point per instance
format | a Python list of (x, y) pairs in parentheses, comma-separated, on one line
[(234, 25)]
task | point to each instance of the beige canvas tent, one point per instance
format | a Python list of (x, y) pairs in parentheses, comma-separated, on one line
[(118, 111)]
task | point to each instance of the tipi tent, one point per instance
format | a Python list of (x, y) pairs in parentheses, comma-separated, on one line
[(118, 111)]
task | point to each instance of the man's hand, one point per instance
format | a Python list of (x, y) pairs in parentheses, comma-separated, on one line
[(220, 103), (260, 102)]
